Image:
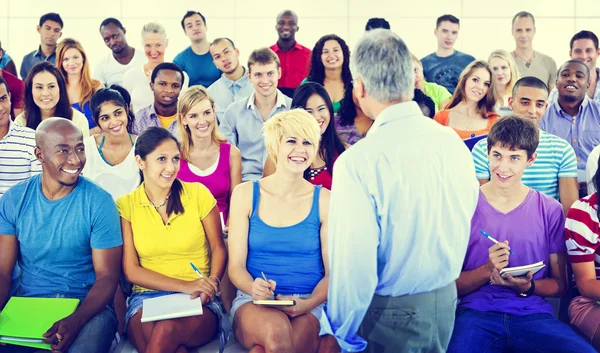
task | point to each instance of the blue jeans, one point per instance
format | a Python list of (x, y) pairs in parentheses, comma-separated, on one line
[(490, 332), (95, 337)]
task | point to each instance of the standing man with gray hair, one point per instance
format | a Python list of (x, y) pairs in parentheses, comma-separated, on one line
[(394, 255)]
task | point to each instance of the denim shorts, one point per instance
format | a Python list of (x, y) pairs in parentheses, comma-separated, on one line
[(242, 298)]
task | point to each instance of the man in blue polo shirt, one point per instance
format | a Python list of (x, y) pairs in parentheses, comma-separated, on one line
[(196, 60), (50, 30)]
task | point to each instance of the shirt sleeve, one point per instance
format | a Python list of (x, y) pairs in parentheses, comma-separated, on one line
[(354, 234), (206, 201), (124, 207), (227, 125), (556, 227), (8, 219), (106, 224), (568, 163), (581, 232), (480, 159)]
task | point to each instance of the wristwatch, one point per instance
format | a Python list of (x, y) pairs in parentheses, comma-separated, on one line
[(530, 291)]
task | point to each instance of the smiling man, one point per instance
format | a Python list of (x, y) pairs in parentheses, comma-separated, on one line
[(50, 30), (64, 233), (445, 65), (111, 69), (555, 170), (243, 121), (166, 82), (574, 116)]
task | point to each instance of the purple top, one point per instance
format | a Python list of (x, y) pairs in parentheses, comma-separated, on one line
[(347, 133), (581, 131), (534, 230)]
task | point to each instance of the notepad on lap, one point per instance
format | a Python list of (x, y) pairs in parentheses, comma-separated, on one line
[(171, 306), (24, 320), (522, 270), (275, 302)]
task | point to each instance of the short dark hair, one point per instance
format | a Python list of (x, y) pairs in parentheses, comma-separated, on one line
[(109, 21), (425, 103), (377, 22), (190, 14), (522, 14), (529, 81), (447, 17), (51, 16), (515, 133), (574, 61), (113, 95), (584, 35), (167, 66), (222, 39)]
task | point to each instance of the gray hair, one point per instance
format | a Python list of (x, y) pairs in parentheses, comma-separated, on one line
[(154, 27), (384, 64)]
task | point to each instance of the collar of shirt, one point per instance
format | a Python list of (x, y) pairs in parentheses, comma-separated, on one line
[(39, 53), (240, 81), (562, 113), (280, 101), (395, 112), (276, 48)]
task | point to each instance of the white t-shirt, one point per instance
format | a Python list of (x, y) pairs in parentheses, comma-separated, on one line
[(117, 180), (138, 86), (78, 119), (109, 71)]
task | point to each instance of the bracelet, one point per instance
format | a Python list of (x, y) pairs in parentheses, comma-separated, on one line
[(530, 291)]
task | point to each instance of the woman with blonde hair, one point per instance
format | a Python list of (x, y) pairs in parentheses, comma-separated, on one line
[(506, 74), (73, 64), (471, 109)]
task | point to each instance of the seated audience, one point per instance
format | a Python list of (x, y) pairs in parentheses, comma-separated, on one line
[(555, 170), (186, 213), (438, 93), (63, 232), (46, 97), (471, 110), (166, 82), (582, 233), (574, 117), (313, 98), (278, 243), (110, 155), (111, 68), (50, 30), (6, 62), (137, 79), (16, 88), (506, 313), (75, 68), (233, 84), (505, 76), (243, 121)]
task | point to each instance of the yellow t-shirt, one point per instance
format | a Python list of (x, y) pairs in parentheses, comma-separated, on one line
[(169, 248), (166, 121)]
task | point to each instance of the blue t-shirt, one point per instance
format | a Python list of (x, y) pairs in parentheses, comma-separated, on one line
[(56, 237), (200, 68), (445, 71), (87, 111)]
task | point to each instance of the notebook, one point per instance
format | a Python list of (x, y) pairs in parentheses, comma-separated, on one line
[(522, 270), (24, 320), (271, 302), (171, 306)]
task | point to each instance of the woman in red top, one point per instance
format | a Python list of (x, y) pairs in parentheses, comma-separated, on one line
[(471, 109), (313, 98)]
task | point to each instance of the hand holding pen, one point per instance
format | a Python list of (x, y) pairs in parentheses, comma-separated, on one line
[(201, 287), (263, 288), (498, 253)]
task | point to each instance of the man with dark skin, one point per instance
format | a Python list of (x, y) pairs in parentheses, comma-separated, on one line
[(64, 232)]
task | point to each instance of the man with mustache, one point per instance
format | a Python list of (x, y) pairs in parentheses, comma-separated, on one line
[(64, 233), (574, 116), (50, 30)]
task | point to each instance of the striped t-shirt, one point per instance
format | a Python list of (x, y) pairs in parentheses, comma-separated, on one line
[(555, 159), (582, 232), (17, 158)]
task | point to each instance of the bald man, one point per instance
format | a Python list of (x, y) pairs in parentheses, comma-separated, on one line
[(64, 231), (294, 58)]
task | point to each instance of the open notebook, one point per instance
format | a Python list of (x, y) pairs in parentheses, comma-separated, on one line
[(522, 270), (170, 307)]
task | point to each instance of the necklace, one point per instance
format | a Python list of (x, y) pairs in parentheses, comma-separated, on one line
[(314, 172), (527, 61), (162, 204)]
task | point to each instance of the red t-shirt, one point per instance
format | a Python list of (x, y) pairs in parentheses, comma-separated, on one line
[(16, 88), (294, 65)]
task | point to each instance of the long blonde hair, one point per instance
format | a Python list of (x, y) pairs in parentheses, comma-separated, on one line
[(89, 86), (187, 100), (514, 73)]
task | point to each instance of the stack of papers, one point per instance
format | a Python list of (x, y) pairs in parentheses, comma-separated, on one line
[(522, 270), (171, 306)]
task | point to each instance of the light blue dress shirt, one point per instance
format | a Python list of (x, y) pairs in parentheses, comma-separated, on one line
[(225, 91), (242, 127), (399, 216)]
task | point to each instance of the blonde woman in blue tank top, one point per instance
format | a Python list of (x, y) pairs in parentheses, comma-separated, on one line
[(278, 226)]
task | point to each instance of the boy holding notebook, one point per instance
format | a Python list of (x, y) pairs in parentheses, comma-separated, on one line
[(506, 314)]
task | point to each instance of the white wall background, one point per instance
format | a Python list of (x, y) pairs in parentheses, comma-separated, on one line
[(485, 24)]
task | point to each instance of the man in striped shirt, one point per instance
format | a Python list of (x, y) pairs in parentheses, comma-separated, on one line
[(554, 172), (17, 159)]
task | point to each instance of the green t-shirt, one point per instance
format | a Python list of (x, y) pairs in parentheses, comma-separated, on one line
[(437, 93)]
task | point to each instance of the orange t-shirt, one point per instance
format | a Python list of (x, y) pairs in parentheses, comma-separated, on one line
[(442, 118)]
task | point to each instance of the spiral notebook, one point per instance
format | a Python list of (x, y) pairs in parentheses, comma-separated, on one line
[(171, 306)]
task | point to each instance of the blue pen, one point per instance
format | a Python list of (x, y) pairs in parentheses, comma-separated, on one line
[(196, 270), (492, 239)]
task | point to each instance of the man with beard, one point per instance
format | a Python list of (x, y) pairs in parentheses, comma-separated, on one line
[(111, 68), (233, 83), (166, 82), (63, 230), (294, 58), (50, 30), (574, 116)]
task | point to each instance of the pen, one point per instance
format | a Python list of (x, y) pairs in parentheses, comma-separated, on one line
[(196, 270), (492, 239), (266, 280)]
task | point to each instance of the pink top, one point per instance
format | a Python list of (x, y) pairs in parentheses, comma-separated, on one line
[(219, 182)]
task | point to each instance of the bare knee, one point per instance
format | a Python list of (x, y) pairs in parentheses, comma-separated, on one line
[(163, 335), (278, 338), (328, 344)]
